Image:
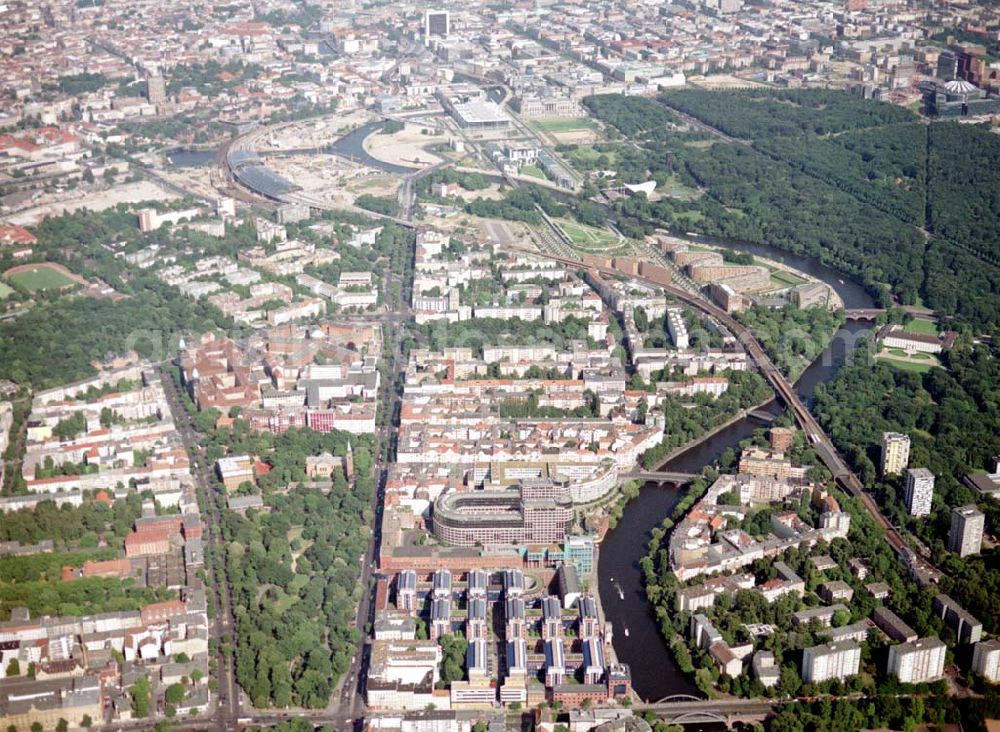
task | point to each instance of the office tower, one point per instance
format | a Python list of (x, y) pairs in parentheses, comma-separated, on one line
[(895, 453), (919, 491), (966, 535), (947, 66), (437, 24)]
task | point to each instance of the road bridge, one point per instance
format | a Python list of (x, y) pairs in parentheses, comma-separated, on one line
[(407, 193), (864, 313), (661, 476)]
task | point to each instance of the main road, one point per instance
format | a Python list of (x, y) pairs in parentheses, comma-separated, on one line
[(227, 705), (348, 703)]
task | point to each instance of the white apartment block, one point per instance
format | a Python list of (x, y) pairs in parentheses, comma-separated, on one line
[(919, 491), (830, 661), (986, 659), (678, 329), (917, 661), (966, 535), (895, 453)]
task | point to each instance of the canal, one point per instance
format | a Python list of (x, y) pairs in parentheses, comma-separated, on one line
[(654, 674)]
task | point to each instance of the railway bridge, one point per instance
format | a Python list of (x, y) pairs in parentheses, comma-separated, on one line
[(684, 709)]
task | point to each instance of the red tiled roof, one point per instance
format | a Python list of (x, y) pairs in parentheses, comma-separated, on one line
[(9, 141), (16, 235)]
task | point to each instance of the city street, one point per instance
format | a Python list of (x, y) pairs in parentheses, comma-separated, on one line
[(227, 701)]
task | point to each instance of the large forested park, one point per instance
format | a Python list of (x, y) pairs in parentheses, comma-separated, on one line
[(294, 570), (906, 207), (294, 566)]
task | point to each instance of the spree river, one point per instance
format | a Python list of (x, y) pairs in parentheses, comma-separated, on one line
[(654, 674), (352, 145), (182, 158)]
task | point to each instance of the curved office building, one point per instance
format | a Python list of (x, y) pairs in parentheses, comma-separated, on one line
[(536, 512)]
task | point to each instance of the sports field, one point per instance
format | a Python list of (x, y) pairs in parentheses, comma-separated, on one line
[(39, 277), (4, 291)]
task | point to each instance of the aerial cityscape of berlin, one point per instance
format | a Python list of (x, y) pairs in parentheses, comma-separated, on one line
[(500, 365)]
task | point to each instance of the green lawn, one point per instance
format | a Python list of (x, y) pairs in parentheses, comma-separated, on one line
[(921, 326), (588, 155), (40, 278), (787, 278), (534, 171), (673, 188), (919, 368), (559, 124), (284, 601), (5, 291), (690, 217), (588, 237)]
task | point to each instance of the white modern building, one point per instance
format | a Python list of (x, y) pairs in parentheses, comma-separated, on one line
[(678, 329), (837, 660), (895, 453), (917, 661), (919, 491), (966, 535), (986, 659)]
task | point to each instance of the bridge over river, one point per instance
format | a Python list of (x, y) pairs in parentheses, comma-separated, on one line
[(685, 709), (660, 476)]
